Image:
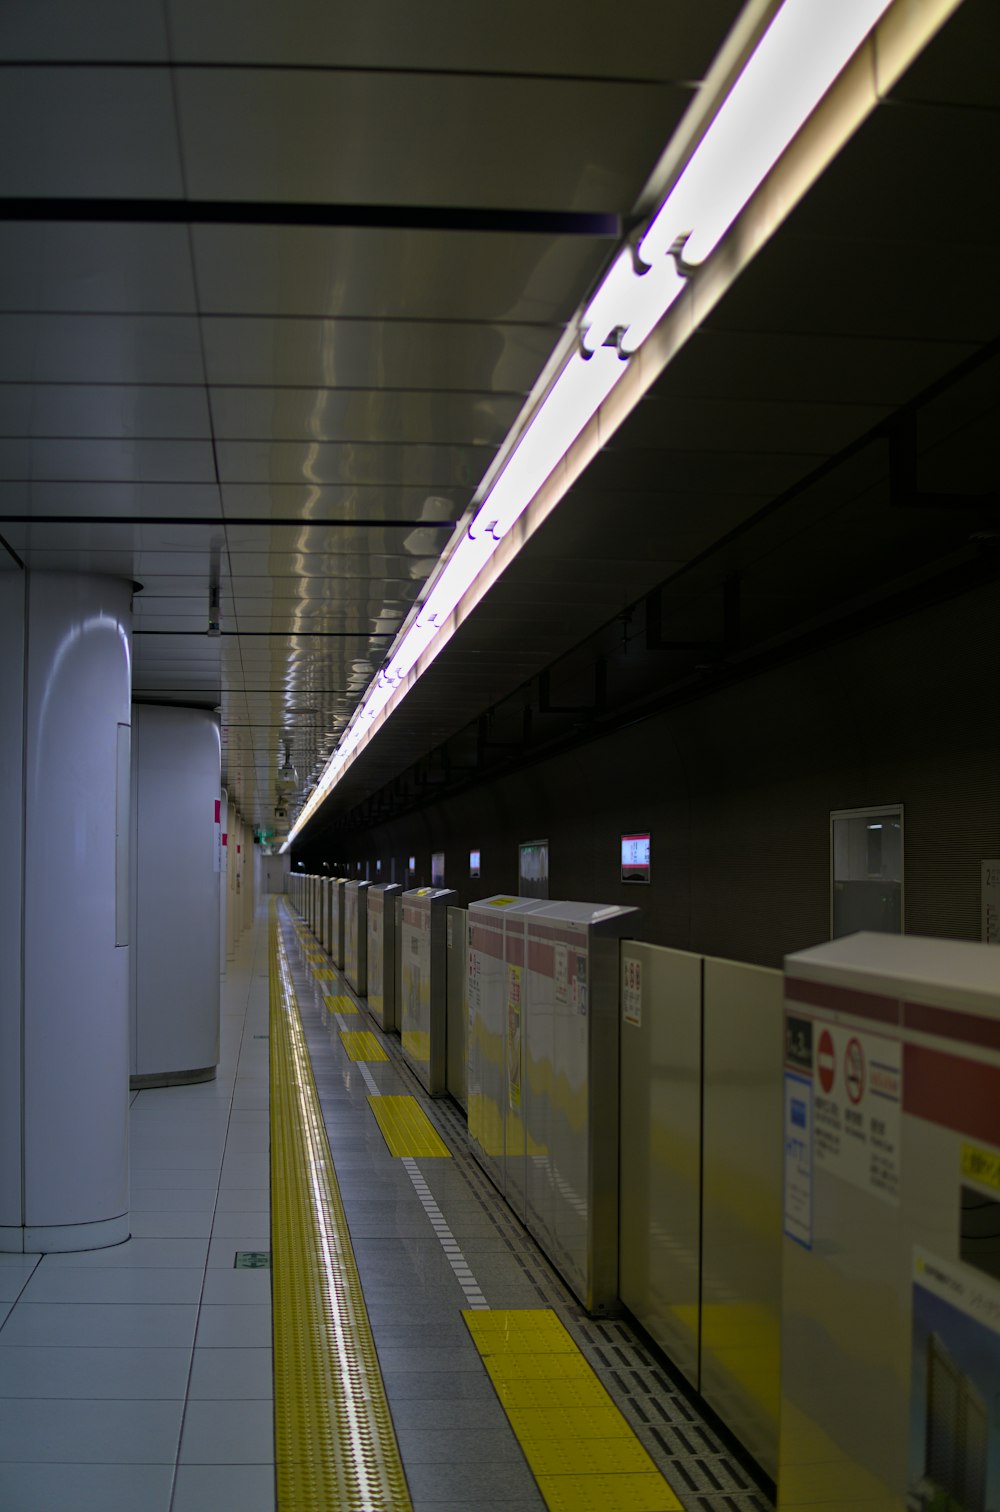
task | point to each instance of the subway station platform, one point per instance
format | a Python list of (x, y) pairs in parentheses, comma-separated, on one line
[(388, 1337)]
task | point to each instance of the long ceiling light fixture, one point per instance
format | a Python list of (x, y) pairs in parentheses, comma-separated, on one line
[(793, 65)]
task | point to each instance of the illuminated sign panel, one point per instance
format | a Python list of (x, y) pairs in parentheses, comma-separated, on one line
[(635, 858)]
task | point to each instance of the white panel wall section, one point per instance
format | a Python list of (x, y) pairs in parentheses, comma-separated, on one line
[(249, 874), (458, 1005), (356, 935), (223, 878), (327, 937), (78, 692), (660, 1204), (423, 1003), (741, 1202), (274, 874), (561, 1056), (486, 993), (12, 597), (382, 954), (175, 1009), (231, 880)]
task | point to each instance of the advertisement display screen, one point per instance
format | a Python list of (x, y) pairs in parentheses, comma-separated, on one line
[(635, 858), (437, 869), (473, 863), (533, 869)]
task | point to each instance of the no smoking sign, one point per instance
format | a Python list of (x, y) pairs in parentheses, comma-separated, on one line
[(854, 1070)]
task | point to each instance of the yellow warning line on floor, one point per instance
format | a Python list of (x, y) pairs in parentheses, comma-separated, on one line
[(334, 1441), (340, 1004), (361, 1045), (323, 975), (406, 1128), (582, 1452)]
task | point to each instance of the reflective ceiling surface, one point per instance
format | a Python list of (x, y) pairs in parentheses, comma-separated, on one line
[(269, 305)]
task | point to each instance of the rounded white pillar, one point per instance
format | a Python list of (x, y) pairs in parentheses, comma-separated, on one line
[(175, 895), (74, 1000)]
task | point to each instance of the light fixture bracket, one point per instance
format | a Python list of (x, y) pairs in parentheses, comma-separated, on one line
[(676, 251)]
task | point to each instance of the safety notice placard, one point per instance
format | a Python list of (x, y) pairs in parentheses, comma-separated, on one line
[(798, 1183), (857, 1104), (632, 991)]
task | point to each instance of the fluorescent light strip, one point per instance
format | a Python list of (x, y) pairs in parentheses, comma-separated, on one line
[(794, 64), (803, 50)]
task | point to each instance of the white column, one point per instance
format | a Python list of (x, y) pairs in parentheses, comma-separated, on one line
[(73, 1005), (175, 943)]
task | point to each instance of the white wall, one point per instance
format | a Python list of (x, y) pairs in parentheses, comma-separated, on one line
[(175, 935), (274, 874)]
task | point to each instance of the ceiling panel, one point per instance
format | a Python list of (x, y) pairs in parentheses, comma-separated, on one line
[(77, 266), (261, 586), (310, 502), (108, 460), (375, 354), (123, 500), (340, 539), (394, 274), (124, 535), (316, 137), (79, 410), (663, 39), (325, 567), (100, 349), (121, 29), (88, 131), (361, 620), (328, 414), (395, 464)]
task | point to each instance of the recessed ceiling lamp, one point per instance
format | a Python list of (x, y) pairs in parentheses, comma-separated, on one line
[(805, 47)]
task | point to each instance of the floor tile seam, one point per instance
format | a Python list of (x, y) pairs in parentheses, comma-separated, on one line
[(12, 1306), (256, 945)]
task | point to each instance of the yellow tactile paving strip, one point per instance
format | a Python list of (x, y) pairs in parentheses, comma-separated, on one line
[(340, 1004), (406, 1128), (334, 1442), (323, 975), (361, 1045), (582, 1452)]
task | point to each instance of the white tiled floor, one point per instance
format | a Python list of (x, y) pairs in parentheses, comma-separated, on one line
[(138, 1379)]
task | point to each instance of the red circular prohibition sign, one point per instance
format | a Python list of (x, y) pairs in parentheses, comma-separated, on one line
[(826, 1060)]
